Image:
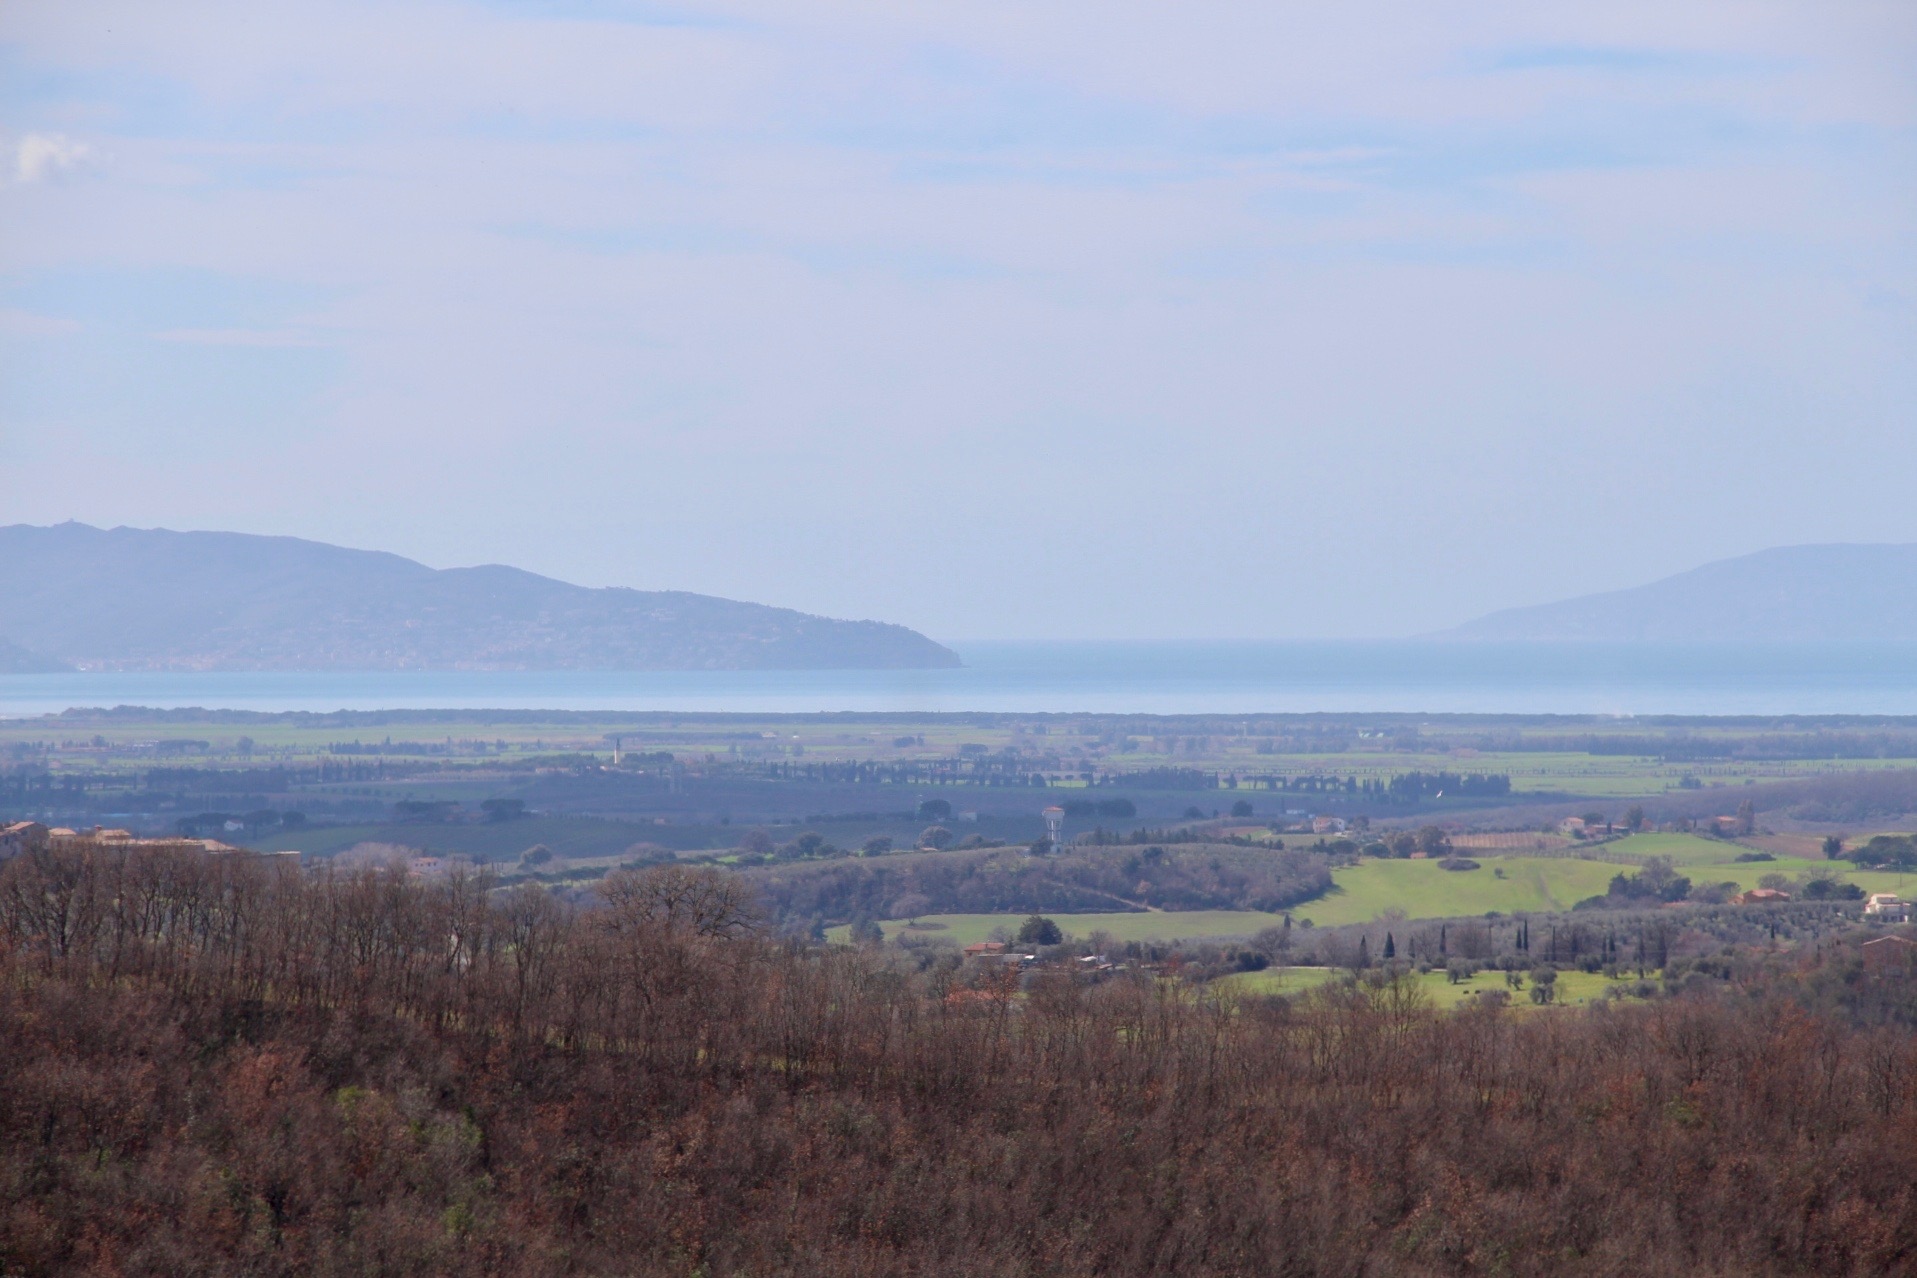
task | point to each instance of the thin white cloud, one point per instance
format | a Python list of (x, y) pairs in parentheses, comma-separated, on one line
[(16, 323), (258, 338), (40, 157)]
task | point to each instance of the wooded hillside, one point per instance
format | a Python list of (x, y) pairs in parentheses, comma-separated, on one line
[(226, 1065)]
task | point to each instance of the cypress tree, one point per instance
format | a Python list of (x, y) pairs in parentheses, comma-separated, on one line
[(1391, 946)]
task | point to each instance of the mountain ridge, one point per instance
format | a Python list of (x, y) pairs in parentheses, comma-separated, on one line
[(1805, 593), (157, 599)]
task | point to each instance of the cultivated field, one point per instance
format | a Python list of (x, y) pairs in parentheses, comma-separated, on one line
[(1386, 889), (1511, 841), (1573, 988), (1420, 889), (1157, 925)]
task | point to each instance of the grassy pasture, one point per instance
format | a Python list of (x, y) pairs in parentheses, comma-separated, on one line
[(1363, 892), (1884, 881), (478, 739), (1420, 889), (1167, 925), (1685, 850), (571, 838), (1373, 889), (1277, 980), (1573, 988), (1511, 842)]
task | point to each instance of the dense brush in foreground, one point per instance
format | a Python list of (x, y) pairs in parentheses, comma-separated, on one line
[(214, 1066)]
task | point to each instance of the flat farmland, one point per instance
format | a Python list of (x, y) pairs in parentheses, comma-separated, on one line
[(570, 838), (1422, 890), (1610, 780), (1515, 841), (1573, 988), (1683, 849), (1376, 889), (1884, 881), (1155, 925)]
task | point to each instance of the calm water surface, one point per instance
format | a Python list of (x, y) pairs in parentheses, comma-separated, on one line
[(1181, 678)]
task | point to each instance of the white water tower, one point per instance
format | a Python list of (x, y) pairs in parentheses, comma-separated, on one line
[(1054, 825)]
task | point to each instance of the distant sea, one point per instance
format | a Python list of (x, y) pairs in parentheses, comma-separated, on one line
[(1143, 678)]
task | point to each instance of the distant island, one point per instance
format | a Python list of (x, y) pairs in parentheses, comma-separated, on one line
[(1792, 593), (79, 597)]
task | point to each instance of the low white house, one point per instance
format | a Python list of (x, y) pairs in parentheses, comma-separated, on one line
[(1887, 907)]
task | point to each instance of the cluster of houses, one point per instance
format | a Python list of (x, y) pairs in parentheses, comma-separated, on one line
[(1000, 952), (1724, 827), (1881, 907), (32, 836), (995, 951)]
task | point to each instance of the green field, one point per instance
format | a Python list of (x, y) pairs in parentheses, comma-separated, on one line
[(571, 838), (1168, 925), (1420, 889), (1712, 861), (1277, 980), (1573, 988), (1376, 889), (1884, 881), (1684, 850)]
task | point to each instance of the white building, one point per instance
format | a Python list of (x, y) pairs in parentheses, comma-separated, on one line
[(1886, 907)]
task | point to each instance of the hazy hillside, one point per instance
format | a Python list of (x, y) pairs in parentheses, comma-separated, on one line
[(129, 598), (1793, 592), (17, 660)]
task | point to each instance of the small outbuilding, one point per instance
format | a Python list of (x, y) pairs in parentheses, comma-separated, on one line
[(21, 836), (1890, 954)]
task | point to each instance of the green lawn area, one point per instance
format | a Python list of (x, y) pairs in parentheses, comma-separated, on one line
[(1713, 861), (1747, 873), (1573, 988), (1683, 849), (1884, 881), (1277, 980), (1422, 890)]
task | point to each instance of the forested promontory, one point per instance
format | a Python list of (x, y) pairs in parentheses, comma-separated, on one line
[(151, 599)]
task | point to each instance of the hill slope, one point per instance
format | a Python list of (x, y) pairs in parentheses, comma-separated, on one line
[(1790, 593), (131, 599), (17, 660)]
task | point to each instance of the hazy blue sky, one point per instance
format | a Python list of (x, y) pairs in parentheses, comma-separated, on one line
[(1068, 319)]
